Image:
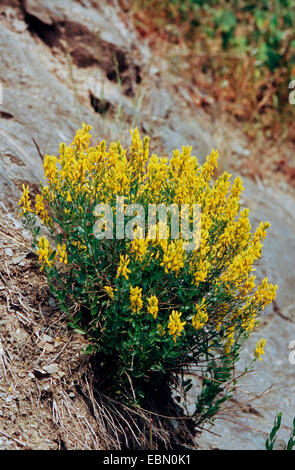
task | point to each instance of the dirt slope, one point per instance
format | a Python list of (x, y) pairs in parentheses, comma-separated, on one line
[(40, 358)]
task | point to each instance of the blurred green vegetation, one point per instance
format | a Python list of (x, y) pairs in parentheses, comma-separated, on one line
[(265, 29), (241, 51)]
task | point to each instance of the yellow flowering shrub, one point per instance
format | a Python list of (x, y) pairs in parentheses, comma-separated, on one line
[(151, 309)]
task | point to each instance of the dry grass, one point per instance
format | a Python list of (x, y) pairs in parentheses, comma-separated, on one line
[(39, 410)]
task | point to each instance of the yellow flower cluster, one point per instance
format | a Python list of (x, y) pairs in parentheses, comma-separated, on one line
[(139, 152), (40, 209), (136, 299), (61, 253), (175, 326), (109, 290), (265, 293), (153, 306), (155, 178), (259, 351), (201, 317), (123, 267), (82, 138), (161, 330), (50, 168), (173, 257), (44, 251), (81, 246), (25, 200), (139, 246), (230, 339), (82, 176), (248, 315)]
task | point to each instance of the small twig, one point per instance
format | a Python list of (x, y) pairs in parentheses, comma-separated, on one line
[(13, 438), (38, 150), (60, 352), (277, 310)]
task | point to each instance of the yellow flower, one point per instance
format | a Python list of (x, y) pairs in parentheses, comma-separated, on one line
[(39, 204), (156, 177), (237, 187), (25, 200), (82, 137), (230, 339), (139, 153), (175, 326), (69, 197), (139, 246), (153, 306), (265, 293), (62, 253), (248, 285), (201, 274), (80, 246), (50, 169), (135, 299), (211, 163), (123, 266), (173, 258), (109, 290), (44, 251), (259, 351), (248, 316), (40, 209), (201, 317)]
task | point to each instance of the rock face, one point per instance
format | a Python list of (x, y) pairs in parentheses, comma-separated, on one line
[(35, 106), (64, 62), (94, 32)]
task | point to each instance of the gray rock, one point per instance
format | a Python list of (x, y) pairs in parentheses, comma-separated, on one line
[(9, 252), (28, 91), (93, 30), (161, 103), (51, 368), (52, 302)]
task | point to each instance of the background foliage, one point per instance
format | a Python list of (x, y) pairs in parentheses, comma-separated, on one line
[(242, 52)]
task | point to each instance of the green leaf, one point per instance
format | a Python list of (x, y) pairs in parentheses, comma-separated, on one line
[(227, 21), (79, 331)]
